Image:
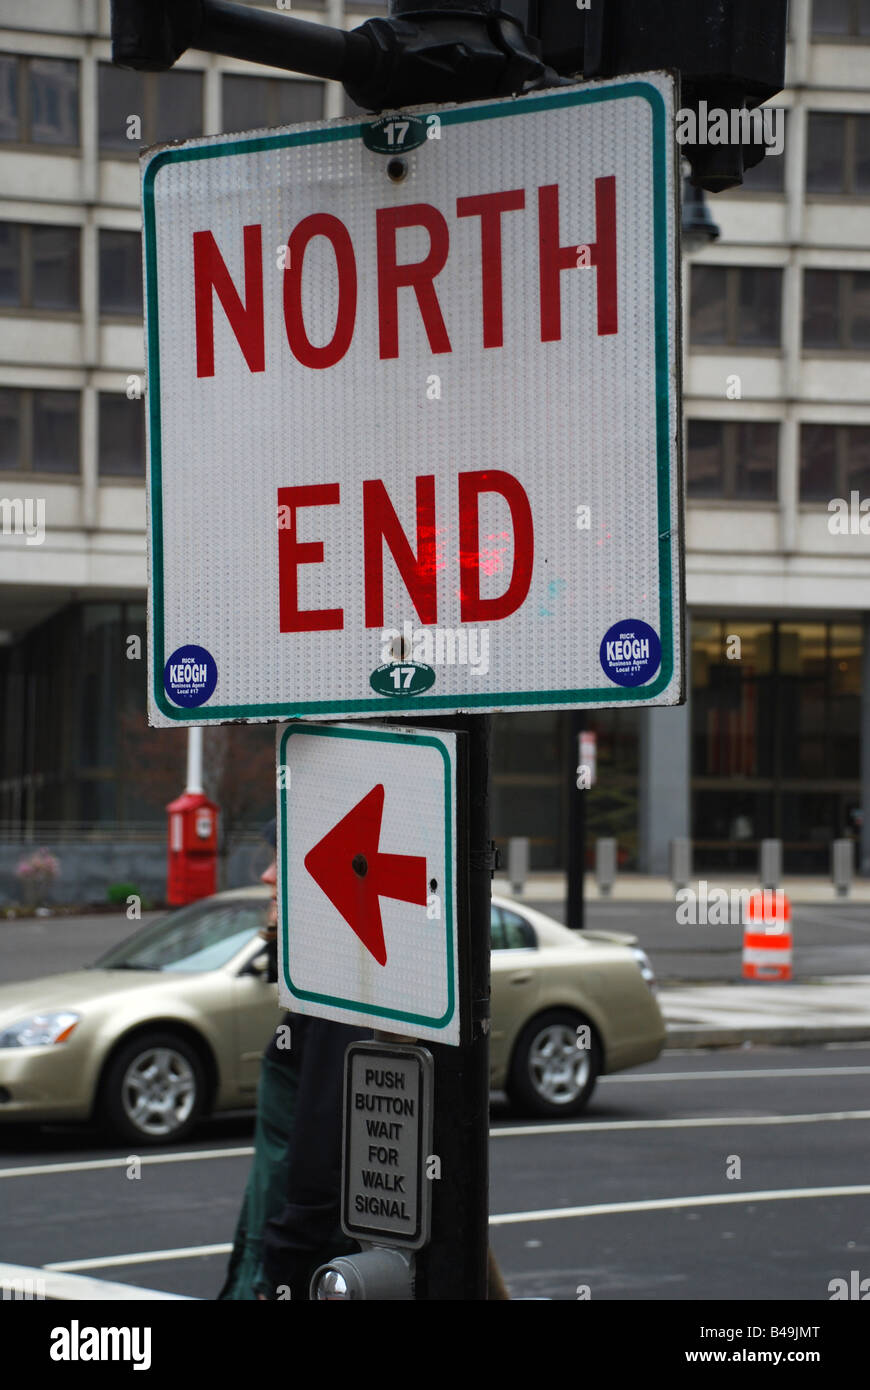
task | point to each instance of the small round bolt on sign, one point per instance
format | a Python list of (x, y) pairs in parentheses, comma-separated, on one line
[(402, 678)]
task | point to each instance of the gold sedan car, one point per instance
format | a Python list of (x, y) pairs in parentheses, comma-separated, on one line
[(170, 1025)]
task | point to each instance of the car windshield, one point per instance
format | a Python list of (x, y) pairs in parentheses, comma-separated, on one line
[(203, 936)]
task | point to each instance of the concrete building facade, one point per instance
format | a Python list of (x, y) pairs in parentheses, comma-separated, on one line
[(775, 738)]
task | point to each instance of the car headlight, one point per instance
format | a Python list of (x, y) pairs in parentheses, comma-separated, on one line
[(40, 1029), (645, 964)]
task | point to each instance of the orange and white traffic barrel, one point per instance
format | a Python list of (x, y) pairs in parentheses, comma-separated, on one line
[(767, 946)]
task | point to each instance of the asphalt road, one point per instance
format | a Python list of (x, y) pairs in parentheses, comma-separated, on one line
[(637, 1194), (828, 940)]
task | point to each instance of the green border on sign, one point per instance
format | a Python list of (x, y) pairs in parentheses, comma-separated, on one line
[(376, 736), (518, 106)]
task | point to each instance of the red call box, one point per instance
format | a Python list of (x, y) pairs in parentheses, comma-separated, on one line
[(192, 854)]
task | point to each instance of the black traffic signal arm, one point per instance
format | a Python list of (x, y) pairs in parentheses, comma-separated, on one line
[(729, 53)]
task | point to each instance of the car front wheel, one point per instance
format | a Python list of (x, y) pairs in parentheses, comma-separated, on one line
[(154, 1090), (555, 1065)]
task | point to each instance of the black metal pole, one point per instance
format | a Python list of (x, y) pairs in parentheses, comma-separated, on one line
[(454, 1263), (576, 859), (260, 37), (153, 36)]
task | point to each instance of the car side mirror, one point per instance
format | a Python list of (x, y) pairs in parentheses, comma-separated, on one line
[(258, 966)]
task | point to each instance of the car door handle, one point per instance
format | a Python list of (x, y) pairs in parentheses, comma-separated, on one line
[(522, 978)]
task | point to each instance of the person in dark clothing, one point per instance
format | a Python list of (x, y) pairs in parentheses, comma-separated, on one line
[(290, 1218), (276, 1103), (307, 1232)]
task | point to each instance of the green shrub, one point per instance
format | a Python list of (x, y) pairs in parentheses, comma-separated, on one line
[(120, 892)]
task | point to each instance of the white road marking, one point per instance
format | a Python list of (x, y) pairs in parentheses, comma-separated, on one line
[(143, 1257), (147, 1160), (512, 1218), (506, 1131), (713, 1199), (78, 1287), (735, 1075), (703, 1122)]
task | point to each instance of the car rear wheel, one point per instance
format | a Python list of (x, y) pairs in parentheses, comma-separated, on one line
[(552, 1072), (154, 1090)]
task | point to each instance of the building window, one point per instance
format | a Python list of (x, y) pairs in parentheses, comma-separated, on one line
[(39, 431), (735, 306), (841, 19), (835, 460), (250, 103), (39, 267), (838, 153), (39, 101), (147, 108), (735, 460), (55, 431), (837, 310), (10, 430), (122, 436), (121, 273)]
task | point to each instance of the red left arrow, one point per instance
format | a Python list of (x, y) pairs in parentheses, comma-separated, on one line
[(350, 869)]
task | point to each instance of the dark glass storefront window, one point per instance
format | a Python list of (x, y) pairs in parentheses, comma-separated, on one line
[(531, 755), (776, 746)]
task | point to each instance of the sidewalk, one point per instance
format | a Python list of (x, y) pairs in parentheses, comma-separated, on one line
[(833, 1009), (550, 887)]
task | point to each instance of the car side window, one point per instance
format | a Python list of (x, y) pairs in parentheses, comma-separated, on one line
[(496, 928), (518, 933)]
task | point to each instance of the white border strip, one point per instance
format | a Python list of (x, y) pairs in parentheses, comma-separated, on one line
[(90, 1165), (714, 1199), (62, 1287), (703, 1122), (513, 1218), (143, 1257)]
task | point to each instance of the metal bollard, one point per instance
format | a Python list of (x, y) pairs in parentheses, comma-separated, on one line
[(605, 865), (681, 861), (518, 862), (770, 863), (842, 865)]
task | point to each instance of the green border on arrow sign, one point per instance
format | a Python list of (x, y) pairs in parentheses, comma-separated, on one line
[(375, 1010)]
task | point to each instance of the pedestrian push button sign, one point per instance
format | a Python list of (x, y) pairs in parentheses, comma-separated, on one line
[(367, 875), (387, 1164)]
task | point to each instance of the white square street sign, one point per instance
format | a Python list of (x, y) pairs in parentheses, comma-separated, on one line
[(413, 403), (367, 877)]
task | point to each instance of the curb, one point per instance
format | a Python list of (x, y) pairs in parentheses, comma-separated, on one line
[(778, 1035)]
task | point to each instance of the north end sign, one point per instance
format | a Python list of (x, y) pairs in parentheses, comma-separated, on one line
[(413, 439)]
